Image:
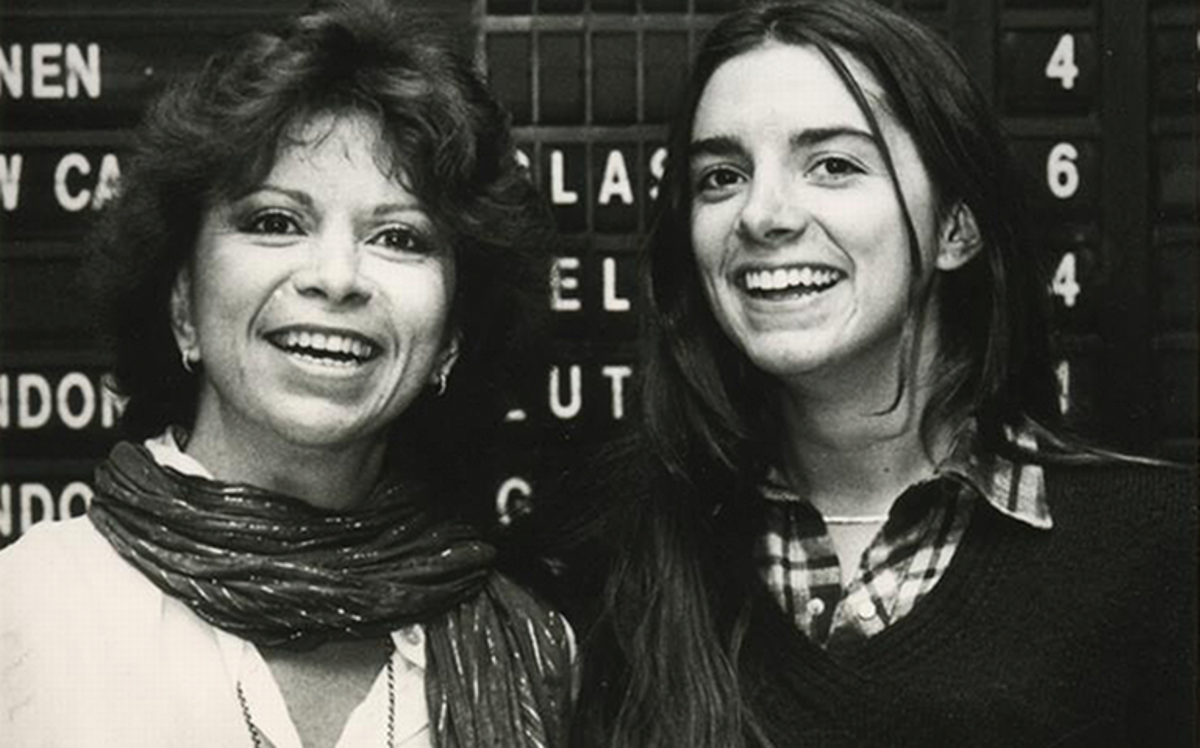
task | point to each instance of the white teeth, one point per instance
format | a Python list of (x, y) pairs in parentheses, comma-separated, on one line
[(298, 341), (784, 278), (326, 361)]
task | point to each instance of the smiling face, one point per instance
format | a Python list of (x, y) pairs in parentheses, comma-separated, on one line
[(796, 227), (319, 301)]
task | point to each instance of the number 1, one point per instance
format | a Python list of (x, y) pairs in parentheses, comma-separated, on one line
[(1063, 373)]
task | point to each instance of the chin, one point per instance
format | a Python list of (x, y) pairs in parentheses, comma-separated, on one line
[(786, 360), (784, 369), (323, 432)]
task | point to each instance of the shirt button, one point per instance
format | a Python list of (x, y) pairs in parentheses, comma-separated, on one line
[(866, 610), (815, 607)]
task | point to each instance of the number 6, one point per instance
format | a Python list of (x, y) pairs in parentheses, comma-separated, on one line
[(1062, 175)]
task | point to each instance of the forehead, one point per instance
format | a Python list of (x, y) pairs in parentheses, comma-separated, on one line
[(349, 141), (787, 86), (341, 159), (329, 140)]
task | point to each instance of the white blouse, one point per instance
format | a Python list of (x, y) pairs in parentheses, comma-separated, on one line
[(93, 654)]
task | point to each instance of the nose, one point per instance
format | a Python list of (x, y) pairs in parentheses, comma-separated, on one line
[(773, 213), (333, 270)]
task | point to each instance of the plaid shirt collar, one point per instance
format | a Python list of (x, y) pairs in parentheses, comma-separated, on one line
[(1015, 489), (910, 554)]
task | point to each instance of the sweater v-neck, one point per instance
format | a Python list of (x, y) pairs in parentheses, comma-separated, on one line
[(1077, 636), (847, 670)]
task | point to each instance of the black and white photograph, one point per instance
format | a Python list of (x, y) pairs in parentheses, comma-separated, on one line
[(599, 373)]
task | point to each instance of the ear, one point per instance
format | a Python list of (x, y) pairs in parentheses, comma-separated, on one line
[(959, 239), (182, 322), (449, 356)]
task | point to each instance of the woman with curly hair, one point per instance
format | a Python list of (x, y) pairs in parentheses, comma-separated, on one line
[(317, 272)]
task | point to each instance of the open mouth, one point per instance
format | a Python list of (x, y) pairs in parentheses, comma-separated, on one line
[(790, 281), (326, 348)]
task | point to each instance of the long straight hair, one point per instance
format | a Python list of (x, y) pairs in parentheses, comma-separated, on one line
[(668, 668), (699, 391)]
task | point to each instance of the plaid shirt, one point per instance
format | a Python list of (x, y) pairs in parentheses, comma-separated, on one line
[(907, 557)]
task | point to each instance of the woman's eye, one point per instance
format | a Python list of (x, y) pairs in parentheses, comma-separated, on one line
[(719, 179), (272, 222), (835, 166), (403, 239)]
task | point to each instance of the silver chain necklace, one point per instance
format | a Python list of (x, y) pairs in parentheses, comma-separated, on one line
[(854, 519), (257, 736)]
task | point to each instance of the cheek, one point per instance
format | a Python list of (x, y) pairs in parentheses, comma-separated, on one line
[(219, 299), (708, 230), (708, 272), (420, 302), (232, 280), (868, 232)]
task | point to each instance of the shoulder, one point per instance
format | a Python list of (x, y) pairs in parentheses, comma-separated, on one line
[(531, 614), (542, 636), (1125, 490), (66, 572), (1144, 514), (53, 549), (69, 606)]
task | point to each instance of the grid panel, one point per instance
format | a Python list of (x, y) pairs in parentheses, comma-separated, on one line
[(1050, 69)]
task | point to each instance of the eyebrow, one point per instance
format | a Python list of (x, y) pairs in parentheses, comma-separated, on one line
[(717, 145), (728, 145), (808, 138), (298, 195), (307, 201), (388, 208)]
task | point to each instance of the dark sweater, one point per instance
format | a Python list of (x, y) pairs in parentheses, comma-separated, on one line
[(1081, 636)]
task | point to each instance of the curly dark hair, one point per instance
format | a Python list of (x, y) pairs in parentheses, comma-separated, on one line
[(219, 131)]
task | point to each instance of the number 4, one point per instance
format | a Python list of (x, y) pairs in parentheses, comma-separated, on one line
[(1065, 283), (1062, 62)]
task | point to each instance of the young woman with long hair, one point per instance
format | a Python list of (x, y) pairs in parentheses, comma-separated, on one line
[(853, 515)]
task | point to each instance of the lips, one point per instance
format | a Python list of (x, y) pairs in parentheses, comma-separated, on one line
[(788, 281), (327, 347)]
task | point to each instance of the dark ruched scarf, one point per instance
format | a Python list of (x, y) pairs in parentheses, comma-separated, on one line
[(278, 571)]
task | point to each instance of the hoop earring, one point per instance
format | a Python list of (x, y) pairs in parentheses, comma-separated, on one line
[(185, 357), (440, 383)]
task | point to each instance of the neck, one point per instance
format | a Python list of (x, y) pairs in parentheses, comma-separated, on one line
[(850, 447), (848, 462), (337, 478)]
